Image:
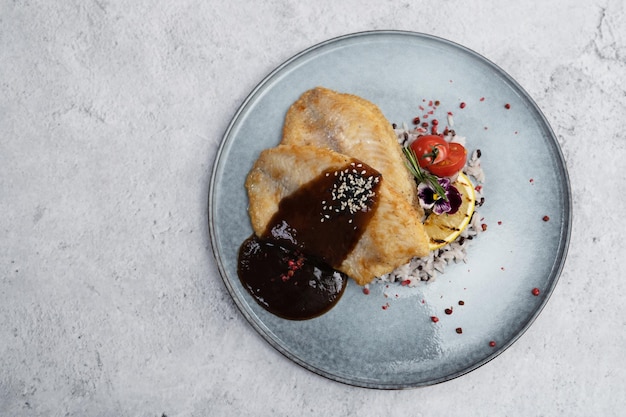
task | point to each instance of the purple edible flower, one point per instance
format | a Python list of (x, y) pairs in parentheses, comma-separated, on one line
[(430, 200)]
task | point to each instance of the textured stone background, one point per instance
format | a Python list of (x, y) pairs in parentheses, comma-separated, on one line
[(110, 116)]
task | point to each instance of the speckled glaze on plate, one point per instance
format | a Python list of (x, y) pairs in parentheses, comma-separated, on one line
[(359, 342)]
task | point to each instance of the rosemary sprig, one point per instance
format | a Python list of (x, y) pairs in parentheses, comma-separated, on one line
[(420, 174)]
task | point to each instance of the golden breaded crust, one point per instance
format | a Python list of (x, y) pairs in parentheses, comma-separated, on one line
[(352, 126), (393, 236)]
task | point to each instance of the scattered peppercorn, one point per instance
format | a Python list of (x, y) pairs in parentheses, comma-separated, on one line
[(434, 319), (492, 343), (462, 105), (459, 330), (536, 291), (546, 218), (507, 106), (461, 302), (448, 311)]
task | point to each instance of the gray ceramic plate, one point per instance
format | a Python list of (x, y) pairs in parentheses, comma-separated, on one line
[(358, 342)]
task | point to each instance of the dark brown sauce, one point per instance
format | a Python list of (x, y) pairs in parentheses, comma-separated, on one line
[(305, 290), (290, 270)]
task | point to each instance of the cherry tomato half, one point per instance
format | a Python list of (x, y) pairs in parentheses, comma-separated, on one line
[(454, 162), (430, 149)]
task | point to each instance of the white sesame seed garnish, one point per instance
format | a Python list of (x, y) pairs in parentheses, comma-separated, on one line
[(353, 190)]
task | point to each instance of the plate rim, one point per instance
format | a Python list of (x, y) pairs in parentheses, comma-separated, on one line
[(560, 254)]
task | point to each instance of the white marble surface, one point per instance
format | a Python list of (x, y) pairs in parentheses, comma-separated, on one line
[(110, 116)]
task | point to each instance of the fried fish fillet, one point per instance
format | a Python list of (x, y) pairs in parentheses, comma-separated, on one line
[(352, 126), (393, 236)]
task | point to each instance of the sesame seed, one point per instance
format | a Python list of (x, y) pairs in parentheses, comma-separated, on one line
[(352, 190)]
